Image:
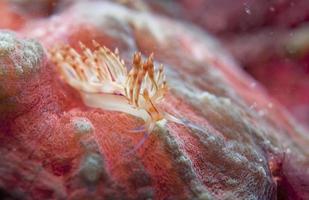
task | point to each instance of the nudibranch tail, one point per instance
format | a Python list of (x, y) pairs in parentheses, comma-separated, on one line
[(103, 80)]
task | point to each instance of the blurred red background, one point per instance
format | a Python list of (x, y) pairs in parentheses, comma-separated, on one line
[(270, 39)]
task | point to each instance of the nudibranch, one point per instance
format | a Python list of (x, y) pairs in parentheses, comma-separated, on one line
[(103, 81)]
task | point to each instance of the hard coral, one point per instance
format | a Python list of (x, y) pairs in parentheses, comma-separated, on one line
[(236, 144), (20, 62), (19, 57)]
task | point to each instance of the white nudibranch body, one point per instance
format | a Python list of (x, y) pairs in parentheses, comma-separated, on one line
[(103, 81)]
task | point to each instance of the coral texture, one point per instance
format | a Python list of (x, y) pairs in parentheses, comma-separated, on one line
[(235, 142), (20, 62)]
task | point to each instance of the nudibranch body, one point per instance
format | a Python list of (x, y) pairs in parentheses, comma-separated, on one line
[(103, 81)]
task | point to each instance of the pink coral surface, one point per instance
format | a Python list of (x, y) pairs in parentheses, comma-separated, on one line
[(236, 141)]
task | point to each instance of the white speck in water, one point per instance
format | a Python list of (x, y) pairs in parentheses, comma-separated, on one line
[(247, 9), (253, 84), (272, 9)]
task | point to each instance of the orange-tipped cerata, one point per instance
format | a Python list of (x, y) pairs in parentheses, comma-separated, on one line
[(103, 81)]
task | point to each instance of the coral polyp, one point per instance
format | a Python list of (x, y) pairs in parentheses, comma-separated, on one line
[(103, 81)]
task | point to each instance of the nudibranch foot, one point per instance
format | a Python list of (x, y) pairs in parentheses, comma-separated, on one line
[(138, 130), (138, 145)]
